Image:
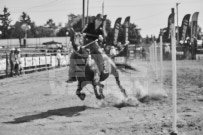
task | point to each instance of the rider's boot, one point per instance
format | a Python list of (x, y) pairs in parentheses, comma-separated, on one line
[(71, 79)]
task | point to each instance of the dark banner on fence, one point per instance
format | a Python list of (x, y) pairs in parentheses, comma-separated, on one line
[(126, 25), (117, 26), (184, 27), (194, 24)]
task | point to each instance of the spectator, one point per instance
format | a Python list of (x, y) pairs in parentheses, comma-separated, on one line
[(143, 54), (12, 61), (58, 57), (120, 47), (167, 51), (46, 52), (194, 48), (18, 66), (187, 51)]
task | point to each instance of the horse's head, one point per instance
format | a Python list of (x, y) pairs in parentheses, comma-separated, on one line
[(78, 39), (75, 37)]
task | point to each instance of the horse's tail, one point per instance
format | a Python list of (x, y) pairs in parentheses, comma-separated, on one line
[(126, 66), (119, 66)]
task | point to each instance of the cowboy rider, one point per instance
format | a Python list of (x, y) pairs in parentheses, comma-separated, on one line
[(92, 32)]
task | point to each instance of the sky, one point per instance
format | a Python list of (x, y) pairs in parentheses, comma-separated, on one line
[(149, 15)]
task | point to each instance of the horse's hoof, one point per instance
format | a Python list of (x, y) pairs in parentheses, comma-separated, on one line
[(82, 96), (99, 97), (102, 96), (125, 95), (102, 86)]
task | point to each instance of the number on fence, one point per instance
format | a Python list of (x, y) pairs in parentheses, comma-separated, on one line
[(120, 60)]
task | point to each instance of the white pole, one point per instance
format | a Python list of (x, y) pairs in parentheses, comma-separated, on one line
[(161, 58), (83, 14), (174, 75), (87, 11), (177, 23), (156, 64), (152, 56)]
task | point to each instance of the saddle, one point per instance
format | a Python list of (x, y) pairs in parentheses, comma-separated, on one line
[(95, 54), (99, 73), (91, 61)]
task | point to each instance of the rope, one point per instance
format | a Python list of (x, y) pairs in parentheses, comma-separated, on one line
[(89, 43), (89, 90), (83, 55)]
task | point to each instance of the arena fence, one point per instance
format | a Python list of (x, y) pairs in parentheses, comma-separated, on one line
[(33, 42), (33, 62)]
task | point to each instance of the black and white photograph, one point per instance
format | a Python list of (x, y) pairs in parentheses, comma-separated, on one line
[(101, 67)]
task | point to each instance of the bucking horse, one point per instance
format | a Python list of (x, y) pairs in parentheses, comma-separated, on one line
[(87, 70)]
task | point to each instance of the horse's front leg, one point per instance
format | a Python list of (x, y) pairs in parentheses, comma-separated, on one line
[(100, 95), (95, 91), (95, 83), (78, 91), (101, 86)]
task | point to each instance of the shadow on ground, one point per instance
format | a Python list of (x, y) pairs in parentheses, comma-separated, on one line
[(68, 112)]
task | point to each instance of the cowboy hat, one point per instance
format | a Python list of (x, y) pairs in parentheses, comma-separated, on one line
[(99, 16)]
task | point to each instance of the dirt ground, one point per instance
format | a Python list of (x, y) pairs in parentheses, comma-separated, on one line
[(41, 103)]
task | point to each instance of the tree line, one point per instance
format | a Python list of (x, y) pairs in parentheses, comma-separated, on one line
[(50, 29)]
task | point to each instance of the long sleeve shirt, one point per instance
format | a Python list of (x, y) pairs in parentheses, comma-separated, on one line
[(93, 33)]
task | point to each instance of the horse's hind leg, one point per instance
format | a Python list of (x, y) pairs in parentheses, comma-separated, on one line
[(115, 73), (121, 87), (95, 92), (78, 91)]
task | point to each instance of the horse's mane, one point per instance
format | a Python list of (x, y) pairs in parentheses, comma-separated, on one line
[(81, 53), (72, 39)]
